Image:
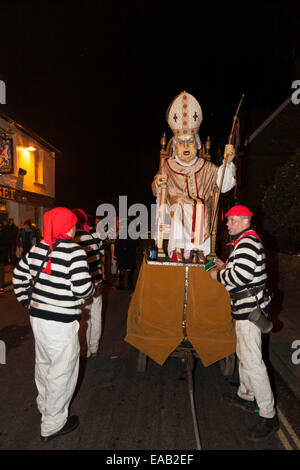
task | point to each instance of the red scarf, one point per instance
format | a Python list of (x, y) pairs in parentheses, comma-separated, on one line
[(57, 223), (244, 234)]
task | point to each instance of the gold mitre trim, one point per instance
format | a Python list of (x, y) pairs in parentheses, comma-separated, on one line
[(184, 115)]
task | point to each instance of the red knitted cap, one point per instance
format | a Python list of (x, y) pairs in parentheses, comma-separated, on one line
[(81, 219), (57, 223), (241, 211)]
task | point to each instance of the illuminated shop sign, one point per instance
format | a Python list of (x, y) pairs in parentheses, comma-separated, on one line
[(26, 197)]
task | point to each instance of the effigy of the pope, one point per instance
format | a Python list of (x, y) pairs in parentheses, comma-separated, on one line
[(175, 299)]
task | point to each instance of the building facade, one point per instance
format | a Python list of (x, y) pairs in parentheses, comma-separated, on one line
[(27, 174)]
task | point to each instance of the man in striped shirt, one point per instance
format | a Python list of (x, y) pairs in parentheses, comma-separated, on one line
[(91, 321), (59, 270), (244, 275)]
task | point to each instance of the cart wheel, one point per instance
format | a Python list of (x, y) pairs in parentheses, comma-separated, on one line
[(227, 365), (141, 362)]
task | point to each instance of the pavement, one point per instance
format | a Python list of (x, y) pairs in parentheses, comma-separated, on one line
[(283, 343), (284, 339)]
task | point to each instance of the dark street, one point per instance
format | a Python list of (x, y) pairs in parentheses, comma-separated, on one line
[(167, 132), (121, 408)]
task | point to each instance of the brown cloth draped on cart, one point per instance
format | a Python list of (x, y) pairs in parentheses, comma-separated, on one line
[(155, 315)]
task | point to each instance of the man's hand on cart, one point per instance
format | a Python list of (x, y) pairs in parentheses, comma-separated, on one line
[(214, 272), (220, 264)]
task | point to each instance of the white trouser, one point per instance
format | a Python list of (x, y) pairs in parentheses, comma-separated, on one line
[(92, 322), (254, 380), (56, 370)]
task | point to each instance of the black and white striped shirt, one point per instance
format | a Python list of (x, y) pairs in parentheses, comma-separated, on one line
[(246, 267), (57, 296), (92, 245)]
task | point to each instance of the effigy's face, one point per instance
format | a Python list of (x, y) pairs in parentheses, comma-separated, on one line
[(186, 147)]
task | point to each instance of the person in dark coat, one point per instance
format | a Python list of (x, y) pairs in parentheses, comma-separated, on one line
[(3, 256), (125, 253), (12, 235), (28, 237)]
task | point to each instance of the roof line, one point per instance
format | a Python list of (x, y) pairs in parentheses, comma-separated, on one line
[(267, 121), (33, 134)]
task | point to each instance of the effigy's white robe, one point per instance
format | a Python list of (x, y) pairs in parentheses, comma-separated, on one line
[(185, 184)]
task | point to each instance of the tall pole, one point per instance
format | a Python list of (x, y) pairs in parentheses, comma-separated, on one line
[(162, 202), (224, 165)]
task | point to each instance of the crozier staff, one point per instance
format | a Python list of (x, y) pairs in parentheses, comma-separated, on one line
[(244, 276)]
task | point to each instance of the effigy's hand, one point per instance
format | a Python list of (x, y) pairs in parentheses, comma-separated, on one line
[(161, 180), (229, 153)]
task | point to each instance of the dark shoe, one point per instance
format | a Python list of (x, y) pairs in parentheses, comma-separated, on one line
[(234, 400), (71, 424), (264, 428)]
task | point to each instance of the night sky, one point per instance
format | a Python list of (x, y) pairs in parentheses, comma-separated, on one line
[(95, 79)]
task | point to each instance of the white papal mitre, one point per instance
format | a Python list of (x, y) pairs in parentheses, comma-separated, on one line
[(184, 114)]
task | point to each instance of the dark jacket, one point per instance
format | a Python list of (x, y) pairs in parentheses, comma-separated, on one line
[(125, 252), (12, 233), (28, 239), (3, 247)]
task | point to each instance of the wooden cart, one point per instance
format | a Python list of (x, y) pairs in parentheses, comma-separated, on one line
[(177, 311)]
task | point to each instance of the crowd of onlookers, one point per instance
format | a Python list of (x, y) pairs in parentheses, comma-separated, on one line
[(15, 242), (119, 259)]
